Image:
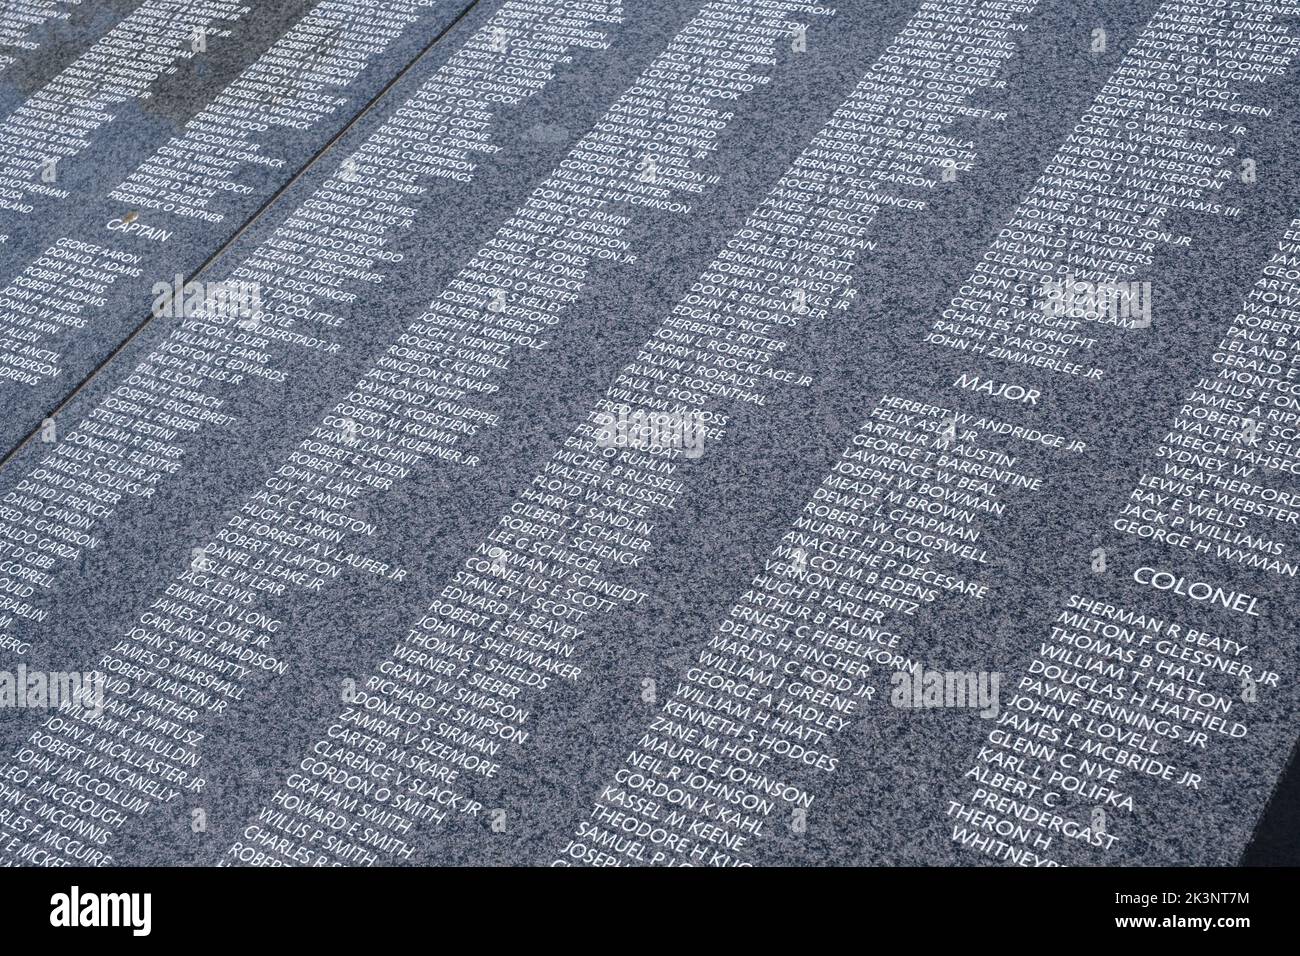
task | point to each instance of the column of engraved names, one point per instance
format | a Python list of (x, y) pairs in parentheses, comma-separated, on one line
[(297, 84), (1262, 48), (187, 659), (1125, 690), (1119, 699), (24, 23), (1269, 46), (56, 124), (633, 152), (1162, 137), (134, 439), (509, 622), (895, 526), (50, 296), (1225, 475), (286, 88)]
